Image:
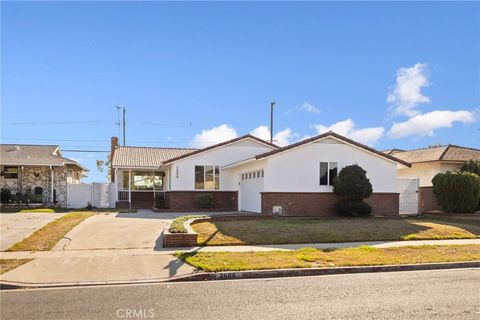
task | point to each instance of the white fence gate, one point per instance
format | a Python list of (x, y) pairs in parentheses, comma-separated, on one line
[(97, 194), (408, 189)]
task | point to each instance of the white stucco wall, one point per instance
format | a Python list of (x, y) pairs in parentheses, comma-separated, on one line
[(298, 170), (221, 156), (425, 171)]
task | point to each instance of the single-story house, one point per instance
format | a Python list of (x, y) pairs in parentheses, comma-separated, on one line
[(39, 170), (427, 162), (250, 174)]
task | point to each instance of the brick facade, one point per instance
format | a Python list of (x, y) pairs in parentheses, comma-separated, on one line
[(317, 204), (179, 239), (428, 201), (185, 200)]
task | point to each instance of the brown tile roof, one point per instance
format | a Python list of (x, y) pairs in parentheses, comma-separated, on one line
[(31, 155), (249, 136), (145, 157), (340, 137), (440, 153)]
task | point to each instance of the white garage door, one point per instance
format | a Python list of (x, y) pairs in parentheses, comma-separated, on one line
[(251, 184)]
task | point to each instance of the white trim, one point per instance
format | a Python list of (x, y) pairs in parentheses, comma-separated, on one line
[(199, 152), (239, 163)]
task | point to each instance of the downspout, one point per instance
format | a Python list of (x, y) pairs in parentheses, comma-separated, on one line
[(130, 188)]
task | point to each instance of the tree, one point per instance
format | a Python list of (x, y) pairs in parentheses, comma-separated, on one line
[(353, 186), (104, 165), (471, 166)]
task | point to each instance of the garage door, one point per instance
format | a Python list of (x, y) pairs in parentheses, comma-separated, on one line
[(251, 184)]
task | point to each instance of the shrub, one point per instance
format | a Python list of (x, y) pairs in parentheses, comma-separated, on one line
[(35, 198), (5, 195), (471, 166), (204, 201), (160, 201), (457, 191), (353, 208), (353, 186), (352, 183)]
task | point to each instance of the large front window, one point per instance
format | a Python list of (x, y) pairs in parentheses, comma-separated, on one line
[(10, 172), (143, 180), (207, 177)]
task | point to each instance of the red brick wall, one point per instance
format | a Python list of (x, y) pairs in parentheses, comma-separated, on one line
[(428, 201), (317, 204), (179, 239), (185, 200)]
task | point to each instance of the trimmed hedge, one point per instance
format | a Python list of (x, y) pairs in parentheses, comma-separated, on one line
[(457, 192), (353, 207), (353, 186), (177, 225), (204, 201)]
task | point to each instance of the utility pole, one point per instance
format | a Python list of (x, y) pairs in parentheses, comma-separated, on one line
[(271, 121), (124, 122)]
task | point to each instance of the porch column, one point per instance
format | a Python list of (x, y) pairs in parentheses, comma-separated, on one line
[(51, 184), (130, 188)]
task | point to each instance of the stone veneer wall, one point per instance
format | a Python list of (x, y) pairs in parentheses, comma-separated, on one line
[(32, 177)]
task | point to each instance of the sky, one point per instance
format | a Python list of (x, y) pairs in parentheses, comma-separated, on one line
[(390, 75)]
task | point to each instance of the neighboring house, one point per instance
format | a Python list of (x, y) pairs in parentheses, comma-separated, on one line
[(250, 174), (427, 162), (38, 169)]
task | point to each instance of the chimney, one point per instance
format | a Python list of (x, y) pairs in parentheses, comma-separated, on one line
[(113, 146)]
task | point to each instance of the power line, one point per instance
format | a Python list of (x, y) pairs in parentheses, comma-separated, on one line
[(89, 151), (32, 123)]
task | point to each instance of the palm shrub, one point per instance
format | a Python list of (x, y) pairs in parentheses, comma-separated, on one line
[(457, 191), (353, 186), (5, 195)]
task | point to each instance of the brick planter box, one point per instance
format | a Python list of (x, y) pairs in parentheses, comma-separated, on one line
[(188, 239)]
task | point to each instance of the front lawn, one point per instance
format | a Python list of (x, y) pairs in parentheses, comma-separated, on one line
[(9, 264), (45, 238), (32, 209), (310, 257), (289, 231)]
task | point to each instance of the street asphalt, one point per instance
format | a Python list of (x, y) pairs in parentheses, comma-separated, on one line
[(441, 294)]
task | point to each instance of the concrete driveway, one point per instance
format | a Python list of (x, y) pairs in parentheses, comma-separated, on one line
[(117, 231), (15, 227)]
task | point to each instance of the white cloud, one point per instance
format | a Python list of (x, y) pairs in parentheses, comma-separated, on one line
[(282, 138), (308, 107), (425, 124), (407, 95), (214, 135), (348, 128)]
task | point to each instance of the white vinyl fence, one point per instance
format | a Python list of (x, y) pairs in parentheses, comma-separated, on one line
[(100, 195), (408, 189)]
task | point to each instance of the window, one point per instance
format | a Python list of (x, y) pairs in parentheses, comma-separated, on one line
[(328, 172), (207, 177), (10, 172), (143, 180)]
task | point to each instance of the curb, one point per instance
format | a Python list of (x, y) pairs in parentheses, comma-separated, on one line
[(252, 274), (302, 272)]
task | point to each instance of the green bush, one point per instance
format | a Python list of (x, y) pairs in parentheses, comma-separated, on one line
[(352, 183), (5, 195), (35, 198), (353, 186), (457, 191), (471, 166), (353, 208), (204, 201)]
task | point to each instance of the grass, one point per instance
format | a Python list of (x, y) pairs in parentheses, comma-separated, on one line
[(177, 224), (45, 238), (42, 210), (289, 231), (9, 264), (310, 257)]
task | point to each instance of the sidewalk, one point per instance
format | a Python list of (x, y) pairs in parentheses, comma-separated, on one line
[(74, 267)]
